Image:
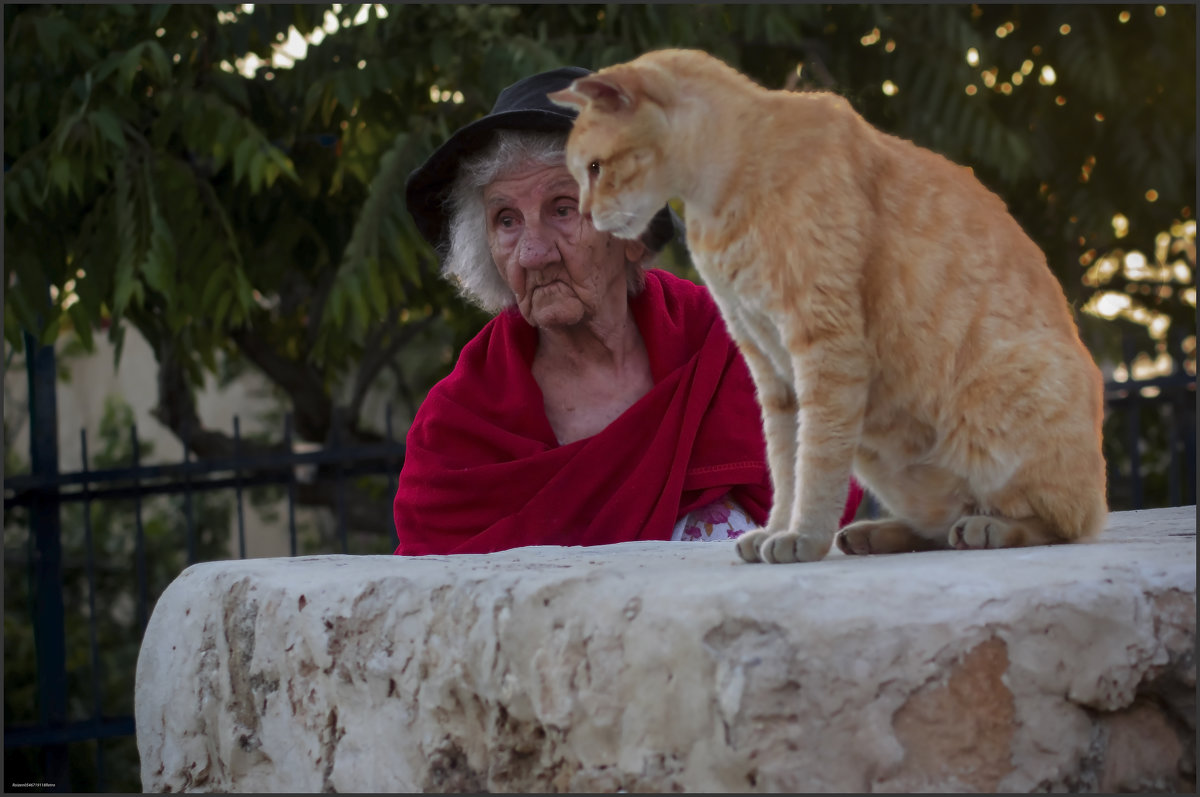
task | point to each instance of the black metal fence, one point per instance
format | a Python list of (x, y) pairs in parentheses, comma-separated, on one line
[(89, 746), (71, 743), (45, 495)]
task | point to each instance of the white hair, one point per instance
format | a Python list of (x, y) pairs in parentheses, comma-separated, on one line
[(466, 258)]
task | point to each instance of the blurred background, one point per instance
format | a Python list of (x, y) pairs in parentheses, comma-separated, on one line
[(219, 319)]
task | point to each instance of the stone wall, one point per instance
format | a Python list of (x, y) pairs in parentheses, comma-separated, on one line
[(672, 666)]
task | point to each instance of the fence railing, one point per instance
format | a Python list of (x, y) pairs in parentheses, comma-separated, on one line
[(45, 495), (1166, 405), (1172, 400)]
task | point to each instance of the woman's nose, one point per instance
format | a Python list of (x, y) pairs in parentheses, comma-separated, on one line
[(537, 248)]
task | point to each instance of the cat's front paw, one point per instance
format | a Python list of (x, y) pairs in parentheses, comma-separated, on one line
[(787, 547), (747, 545), (781, 547)]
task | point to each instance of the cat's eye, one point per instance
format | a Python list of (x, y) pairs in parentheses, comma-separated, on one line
[(594, 167)]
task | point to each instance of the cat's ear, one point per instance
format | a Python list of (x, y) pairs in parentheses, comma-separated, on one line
[(604, 92), (568, 98)]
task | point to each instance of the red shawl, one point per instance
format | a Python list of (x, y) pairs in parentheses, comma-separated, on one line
[(483, 471)]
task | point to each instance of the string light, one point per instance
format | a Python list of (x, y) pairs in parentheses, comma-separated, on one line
[(1120, 225)]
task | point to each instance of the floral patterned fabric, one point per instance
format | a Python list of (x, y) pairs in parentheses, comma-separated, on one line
[(720, 520)]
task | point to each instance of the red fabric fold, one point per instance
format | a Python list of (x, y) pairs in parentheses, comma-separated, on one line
[(483, 471)]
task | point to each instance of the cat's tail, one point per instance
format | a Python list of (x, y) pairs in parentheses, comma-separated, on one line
[(1064, 488), (1065, 484), (1075, 517), (1058, 494)]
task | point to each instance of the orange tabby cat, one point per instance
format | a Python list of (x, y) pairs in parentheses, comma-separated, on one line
[(895, 318)]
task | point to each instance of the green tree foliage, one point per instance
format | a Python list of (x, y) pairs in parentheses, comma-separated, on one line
[(259, 220)]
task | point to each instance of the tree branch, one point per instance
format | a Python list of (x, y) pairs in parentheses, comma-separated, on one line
[(312, 407), (320, 298), (375, 356), (406, 393), (176, 410)]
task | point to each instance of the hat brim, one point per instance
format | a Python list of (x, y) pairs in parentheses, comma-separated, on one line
[(428, 187)]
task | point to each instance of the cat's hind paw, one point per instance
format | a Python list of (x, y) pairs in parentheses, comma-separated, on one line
[(854, 541), (978, 531), (882, 536)]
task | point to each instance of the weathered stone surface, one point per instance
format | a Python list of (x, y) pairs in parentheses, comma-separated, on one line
[(672, 666)]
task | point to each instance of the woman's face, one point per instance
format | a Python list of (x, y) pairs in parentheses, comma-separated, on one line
[(562, 271)]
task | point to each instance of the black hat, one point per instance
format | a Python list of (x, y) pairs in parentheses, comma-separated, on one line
[(522, 106)]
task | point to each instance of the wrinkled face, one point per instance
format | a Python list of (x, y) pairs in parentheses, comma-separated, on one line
[(561, 269), (618, 162)]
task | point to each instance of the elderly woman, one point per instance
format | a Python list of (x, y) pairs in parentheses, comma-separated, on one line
[(605, 402)]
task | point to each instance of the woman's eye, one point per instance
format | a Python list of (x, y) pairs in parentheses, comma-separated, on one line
[(563, 210), (505, 220)]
